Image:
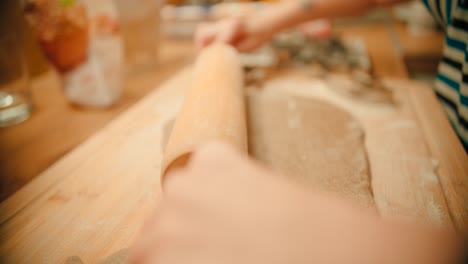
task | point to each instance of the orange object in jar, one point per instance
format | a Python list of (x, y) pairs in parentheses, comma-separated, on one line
[(62, 31)]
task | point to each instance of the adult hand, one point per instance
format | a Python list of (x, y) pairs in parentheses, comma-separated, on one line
[(223, 208)]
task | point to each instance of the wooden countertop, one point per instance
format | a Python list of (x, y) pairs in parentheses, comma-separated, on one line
[(57, 127), (421, 51), (89, 205)]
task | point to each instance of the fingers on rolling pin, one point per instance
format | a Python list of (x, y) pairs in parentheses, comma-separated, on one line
[(209, 161), (213, 107)]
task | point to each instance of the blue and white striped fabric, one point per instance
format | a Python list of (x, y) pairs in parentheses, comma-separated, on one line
[(452, 80)]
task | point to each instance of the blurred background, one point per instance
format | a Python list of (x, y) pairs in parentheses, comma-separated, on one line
[(134, 46)]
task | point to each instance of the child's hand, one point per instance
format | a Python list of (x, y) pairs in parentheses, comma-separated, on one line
[(243, 34)]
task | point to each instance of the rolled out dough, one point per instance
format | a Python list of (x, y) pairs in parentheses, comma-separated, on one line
[(310, 141)]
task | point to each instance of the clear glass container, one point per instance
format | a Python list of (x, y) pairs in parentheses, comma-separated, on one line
[(15, 94)]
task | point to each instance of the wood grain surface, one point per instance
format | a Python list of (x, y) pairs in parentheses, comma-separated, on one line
[(91, 203), (421, 51), (452, 158), (71, 212)]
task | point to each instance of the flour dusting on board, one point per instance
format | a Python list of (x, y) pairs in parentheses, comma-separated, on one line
[(310, 141), (294, 116), (105, 224), (430, 176), (414, 189), (414, 192), (435, 212)]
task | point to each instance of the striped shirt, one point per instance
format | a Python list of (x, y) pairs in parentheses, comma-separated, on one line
[(452, 79)]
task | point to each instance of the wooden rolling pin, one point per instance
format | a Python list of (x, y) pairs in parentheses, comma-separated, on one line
[(213, 107)]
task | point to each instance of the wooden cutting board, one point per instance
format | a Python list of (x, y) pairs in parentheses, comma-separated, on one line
[(87, 207)]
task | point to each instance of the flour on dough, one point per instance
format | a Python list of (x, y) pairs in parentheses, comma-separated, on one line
[(311, 141)]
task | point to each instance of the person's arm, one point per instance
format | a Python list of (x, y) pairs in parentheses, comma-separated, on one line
[(290, 13), (252, 31), (293, 12)]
